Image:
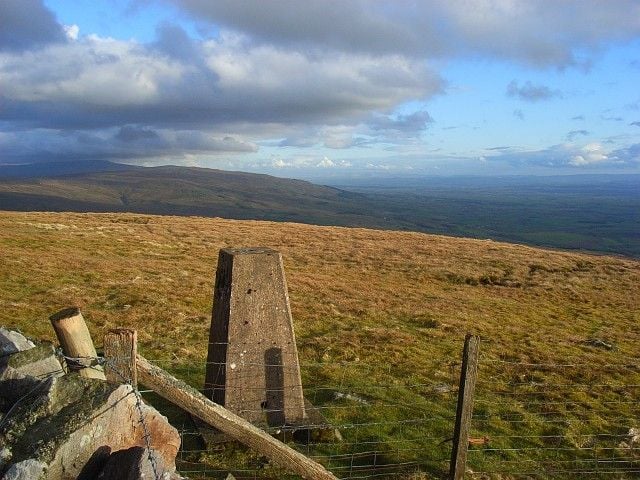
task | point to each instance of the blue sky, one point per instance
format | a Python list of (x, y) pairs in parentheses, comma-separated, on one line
[(325, 88)]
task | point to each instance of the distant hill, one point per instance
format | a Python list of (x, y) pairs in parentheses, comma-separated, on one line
[(592, 213), (59, 169), (172, 190)]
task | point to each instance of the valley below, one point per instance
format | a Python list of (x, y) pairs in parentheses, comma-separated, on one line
[(580, 212)]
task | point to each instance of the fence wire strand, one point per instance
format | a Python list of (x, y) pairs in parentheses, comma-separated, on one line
[(529, 420), (396, 443), (561, 419)]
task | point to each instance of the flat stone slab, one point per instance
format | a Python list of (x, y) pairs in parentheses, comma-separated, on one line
[(24, 370), (13, 342)]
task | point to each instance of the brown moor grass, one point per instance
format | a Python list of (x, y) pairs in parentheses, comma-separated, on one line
[(381, 298), (354, 292)]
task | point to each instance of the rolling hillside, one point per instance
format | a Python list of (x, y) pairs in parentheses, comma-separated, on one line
[(576, 213), (185, 191), (370, 308)]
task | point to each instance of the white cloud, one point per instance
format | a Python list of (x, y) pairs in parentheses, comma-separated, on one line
[(238, 82), (570, 155), (325, 163), (341, 75), (71, 31), (590, 154), (378, 166), (279, 163), (228, 84), (93, 72), (339, 136), (302, 162)]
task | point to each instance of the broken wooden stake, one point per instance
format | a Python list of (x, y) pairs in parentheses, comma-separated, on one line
[(219, 417), (120, 350), (76, 343)]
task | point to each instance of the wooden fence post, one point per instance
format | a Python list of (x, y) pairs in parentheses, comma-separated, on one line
[(468, 376), (76, 343), (120, 350), (191, 400)]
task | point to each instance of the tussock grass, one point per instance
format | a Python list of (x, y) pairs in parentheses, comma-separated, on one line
[(393, 305)]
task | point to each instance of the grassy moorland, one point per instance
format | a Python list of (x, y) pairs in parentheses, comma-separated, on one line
[(370, 308)]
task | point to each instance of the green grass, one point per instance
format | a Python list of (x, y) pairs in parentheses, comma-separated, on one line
[(378, 315)]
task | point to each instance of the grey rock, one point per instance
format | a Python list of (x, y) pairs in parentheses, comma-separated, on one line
[(40, 361), (442, 388), (5, 456), (65, 427), (26, 370), (632, 440), (599, 343), (26, 470), (13, 342), (72, 424), (350, 397)]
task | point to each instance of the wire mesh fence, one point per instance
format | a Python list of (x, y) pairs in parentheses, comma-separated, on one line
[(363, 421), (565, 419), (556, 419), (531, 419)]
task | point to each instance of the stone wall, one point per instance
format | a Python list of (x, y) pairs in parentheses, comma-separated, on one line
[(56, 425)]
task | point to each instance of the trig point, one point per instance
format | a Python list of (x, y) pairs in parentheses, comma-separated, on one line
[(252, 365)]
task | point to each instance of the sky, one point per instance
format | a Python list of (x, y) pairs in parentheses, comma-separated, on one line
[(325, 88)]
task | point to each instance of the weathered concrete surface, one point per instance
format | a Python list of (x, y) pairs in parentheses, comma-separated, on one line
[(135, 464), (252, 365)]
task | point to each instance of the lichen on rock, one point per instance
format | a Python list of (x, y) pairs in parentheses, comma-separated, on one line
[(56, 426)]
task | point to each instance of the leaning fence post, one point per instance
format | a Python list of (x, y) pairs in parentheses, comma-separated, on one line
[(120, 350), (76, 343), (191, 400), (466, 389)]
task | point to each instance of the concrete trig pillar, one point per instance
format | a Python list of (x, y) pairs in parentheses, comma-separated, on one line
[(252, 364)]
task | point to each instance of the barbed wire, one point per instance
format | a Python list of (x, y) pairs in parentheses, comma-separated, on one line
[(95, 362), (390, 431)]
